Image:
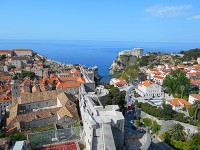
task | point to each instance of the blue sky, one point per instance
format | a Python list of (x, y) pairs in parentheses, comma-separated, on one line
[(107, 20)]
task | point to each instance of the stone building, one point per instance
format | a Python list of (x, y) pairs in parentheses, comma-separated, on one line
[(178, 104), (23, 52), (7, 53), (70, 84), (103, 127), (134, 52), (20, 62), (71, 73), (193, 98), (149, 89), (15, 89), (32, 110)]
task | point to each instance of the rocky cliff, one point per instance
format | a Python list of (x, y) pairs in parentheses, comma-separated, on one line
[(121, 62)]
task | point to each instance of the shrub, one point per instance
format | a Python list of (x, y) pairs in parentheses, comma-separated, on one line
[(18, 137), (156, 127), (147, 122), (137, 123)]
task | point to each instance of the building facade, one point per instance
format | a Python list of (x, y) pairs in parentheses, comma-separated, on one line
[(149, 89), (32, 110), (23, 52), (193, 98), (20, 62), (134, 52)]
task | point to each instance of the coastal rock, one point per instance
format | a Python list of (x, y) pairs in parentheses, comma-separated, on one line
[(125, 58)]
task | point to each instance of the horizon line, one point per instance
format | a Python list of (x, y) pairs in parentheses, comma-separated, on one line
[(103, 41)]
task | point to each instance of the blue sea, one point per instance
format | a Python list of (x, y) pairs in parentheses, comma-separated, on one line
[(90, 53)]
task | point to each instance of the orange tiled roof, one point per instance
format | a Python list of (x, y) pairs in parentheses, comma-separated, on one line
[(68, 85), (146, 83), (5, 98), (121, 83), (121, 79), (75, 71), (178, 102), (39, 64), (42, 81), (181, 65), (192, 60), (52, 78), (5, 78), (67, 79), (197, 96), (195, 82), (156, 73), (158, 77), (153, 69), (191, 74), (5, 51)]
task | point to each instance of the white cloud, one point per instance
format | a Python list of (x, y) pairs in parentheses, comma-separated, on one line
[(168, 10), (196, 17)]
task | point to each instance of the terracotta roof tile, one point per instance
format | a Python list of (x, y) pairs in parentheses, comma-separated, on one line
[(158, 77), (75, 71), (5, 51), (146, 83), (197, 96), (6, 78), (179, 102), (68, 85), (195, 82)]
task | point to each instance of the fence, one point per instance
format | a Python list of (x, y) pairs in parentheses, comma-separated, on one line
[(39, 139)]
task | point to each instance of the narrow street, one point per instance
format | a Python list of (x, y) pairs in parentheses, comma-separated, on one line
[(129, 121)]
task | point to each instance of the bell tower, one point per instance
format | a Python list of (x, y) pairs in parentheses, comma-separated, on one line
[(15, 89)]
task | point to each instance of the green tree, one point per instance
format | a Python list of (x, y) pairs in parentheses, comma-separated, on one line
[(117, 74), (144, 61), (195, 142), (182, 88), (116, 97), (18, 136), (175, 80), (191, 54), (156, 127), (3, 135), (130, 74), (177, 132), (3, 57), (12, 67), (167, 112), (53, 85), (147, 122), (24, 74), (132, 67), (196, 108)]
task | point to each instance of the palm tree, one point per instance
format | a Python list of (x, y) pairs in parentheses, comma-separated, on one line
[(182, 88), (196, 105), (169, 90), (177, 132)]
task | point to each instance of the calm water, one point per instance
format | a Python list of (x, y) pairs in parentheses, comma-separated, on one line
[(90, 53)]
